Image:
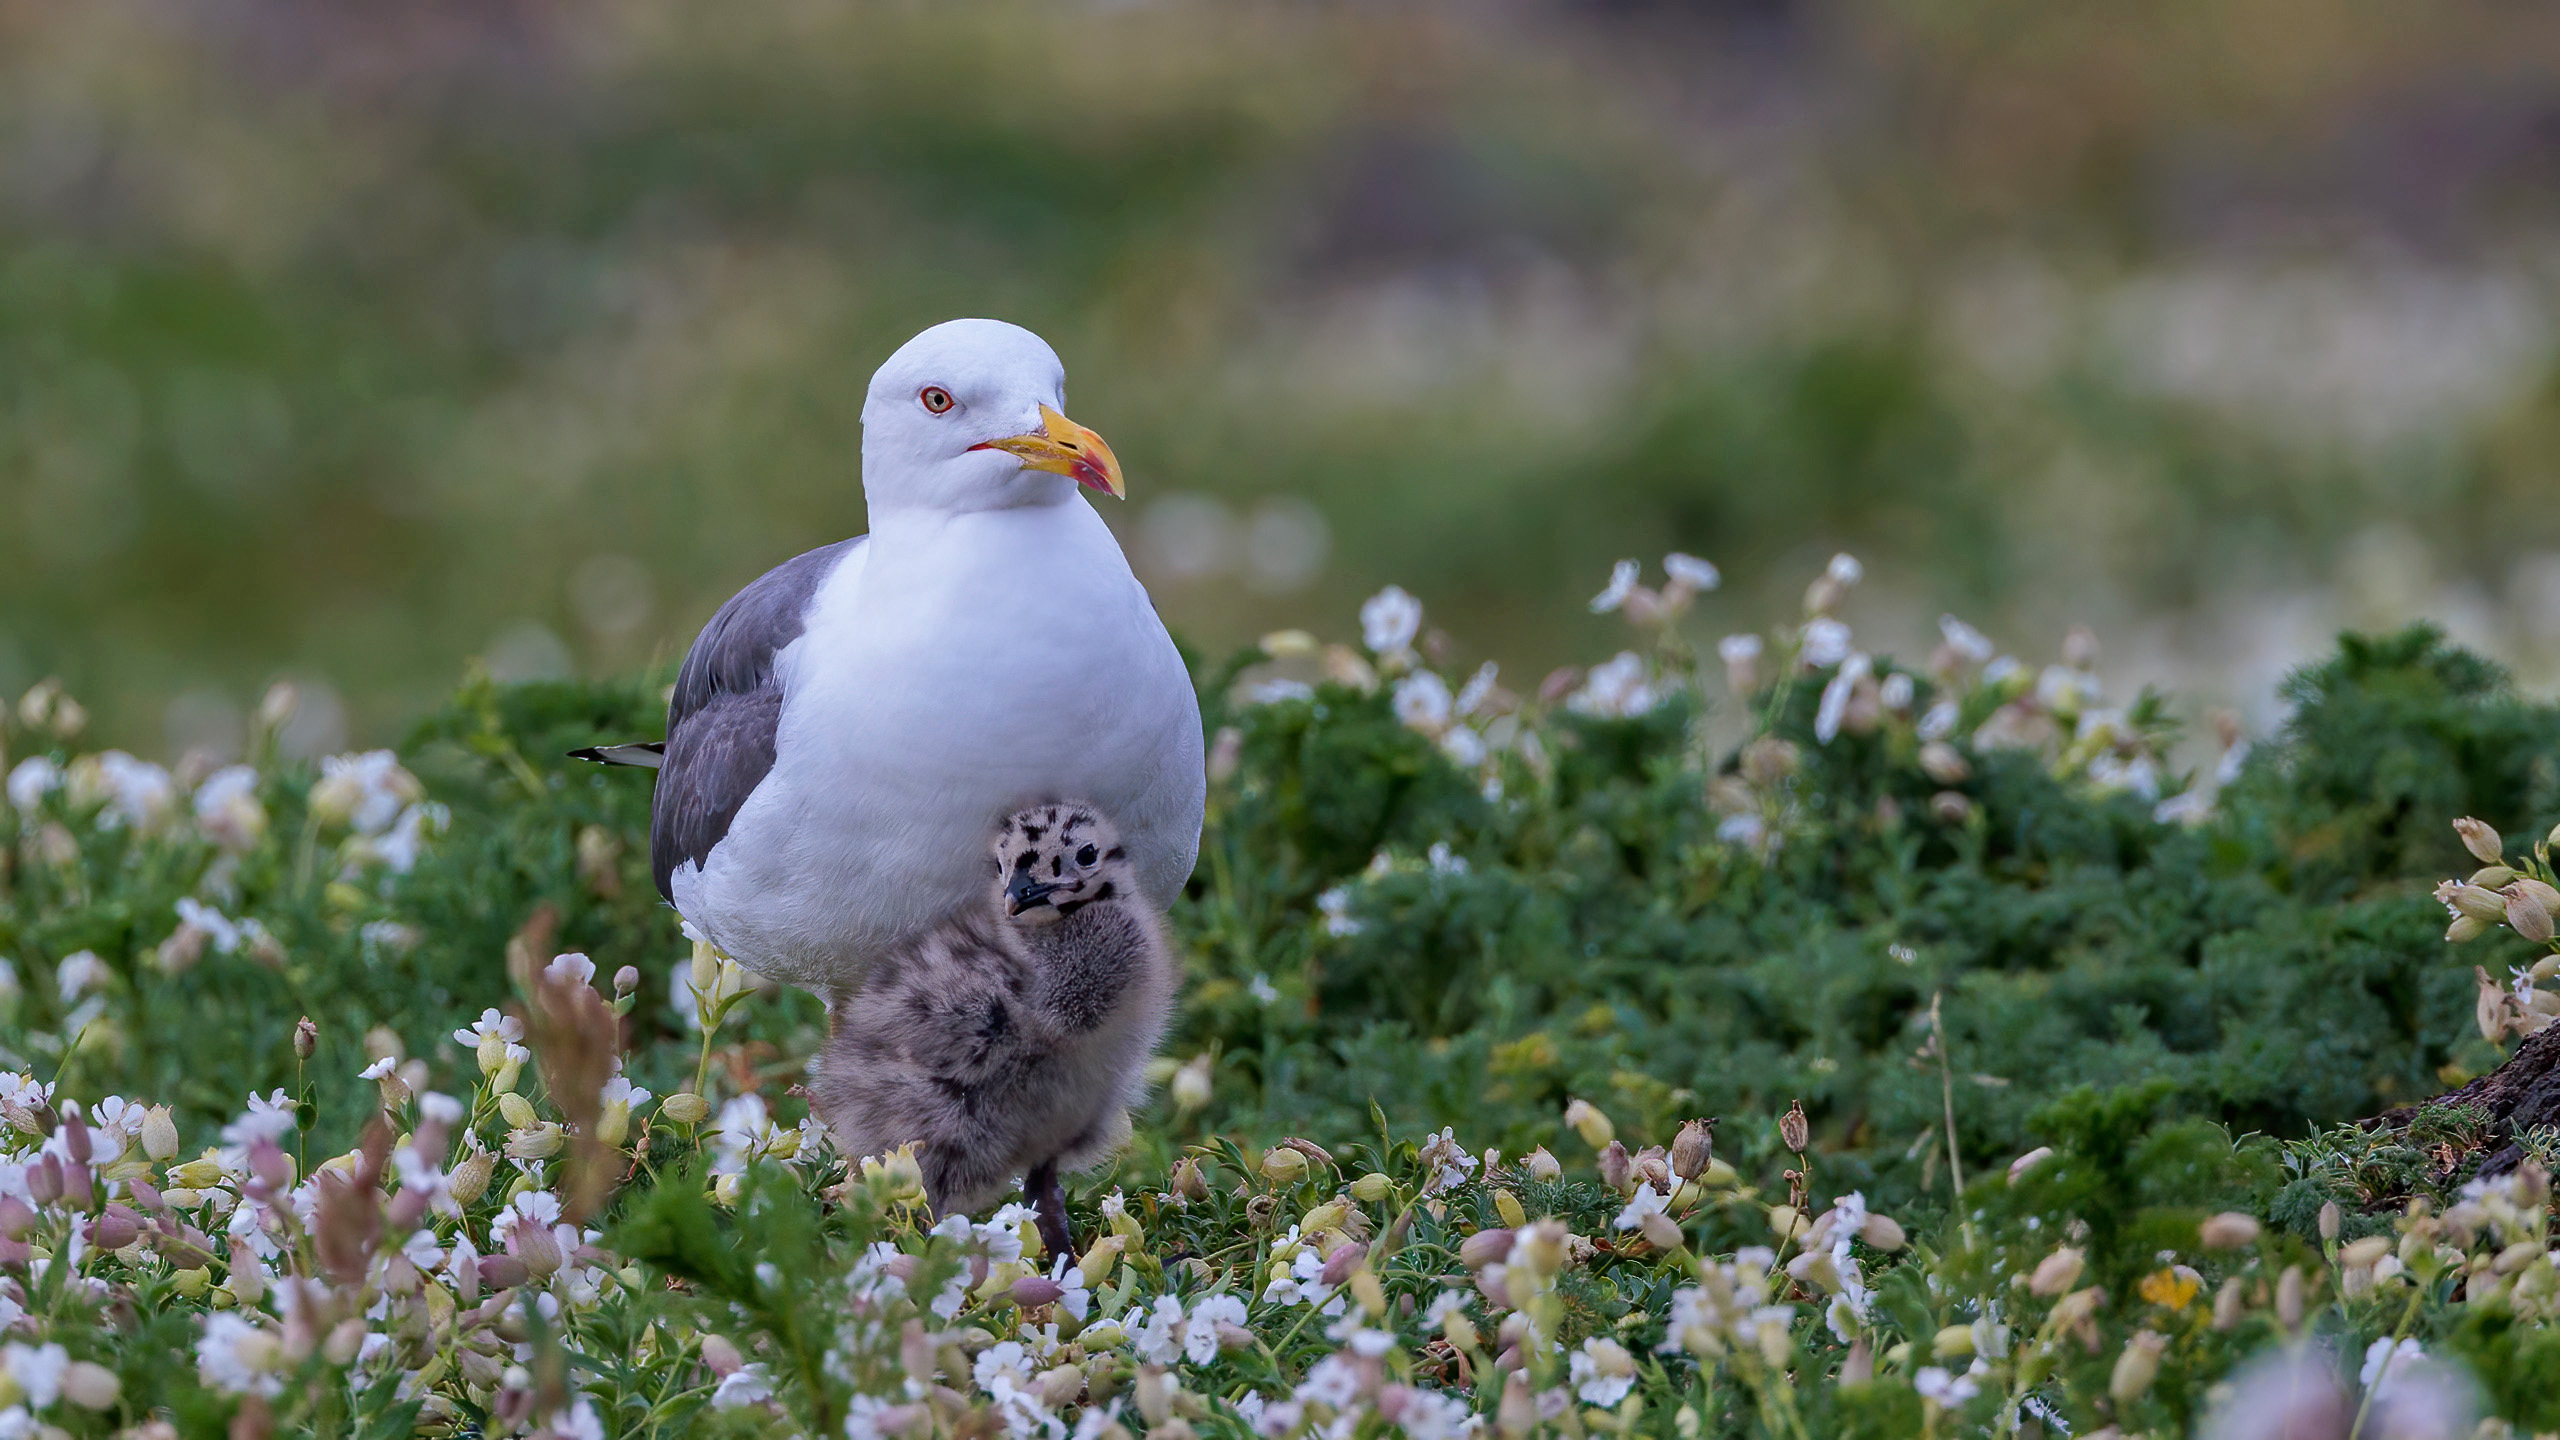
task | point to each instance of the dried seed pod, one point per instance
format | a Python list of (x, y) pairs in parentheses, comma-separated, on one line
[(1792, 1130), (1693, 1148)]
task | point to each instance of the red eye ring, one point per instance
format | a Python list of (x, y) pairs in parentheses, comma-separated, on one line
[(935, 399)]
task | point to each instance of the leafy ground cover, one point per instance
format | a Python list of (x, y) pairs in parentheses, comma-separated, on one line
[(383, 1096)]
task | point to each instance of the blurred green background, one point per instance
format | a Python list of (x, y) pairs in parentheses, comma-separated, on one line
[(347, 343)]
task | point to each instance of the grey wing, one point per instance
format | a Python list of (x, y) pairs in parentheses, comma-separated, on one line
[(726, 706)]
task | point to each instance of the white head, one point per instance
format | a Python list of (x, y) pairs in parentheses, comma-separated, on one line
[(967, 416)]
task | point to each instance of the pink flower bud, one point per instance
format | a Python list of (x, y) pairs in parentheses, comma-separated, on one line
[(1034, 1290), (270, 1165), (405, 1211), (1617, 1167), (1486, 1247), (145, 1194), (538, 1248), (44, 1180), (78, 1188), (75, 1139), (16, 1216), (722, 1356), (502, 1272), (115, 1229), (1339, 1265)]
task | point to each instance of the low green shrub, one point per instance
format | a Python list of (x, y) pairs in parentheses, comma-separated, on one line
[(2091, 1030)]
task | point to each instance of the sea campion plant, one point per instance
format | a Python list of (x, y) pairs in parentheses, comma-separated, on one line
[(449, 1128)]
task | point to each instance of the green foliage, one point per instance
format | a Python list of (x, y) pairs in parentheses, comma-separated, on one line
[(1948, 963), (2256, 969)]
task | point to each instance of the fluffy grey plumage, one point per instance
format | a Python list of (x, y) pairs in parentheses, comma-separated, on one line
[(1014, 1038)]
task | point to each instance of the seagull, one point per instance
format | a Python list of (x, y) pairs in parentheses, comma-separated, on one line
[(849, 729)]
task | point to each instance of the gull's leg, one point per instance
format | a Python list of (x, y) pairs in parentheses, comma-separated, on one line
[(1049, 1198)]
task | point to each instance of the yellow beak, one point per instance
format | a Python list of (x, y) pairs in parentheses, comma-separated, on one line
[(1064, 447)]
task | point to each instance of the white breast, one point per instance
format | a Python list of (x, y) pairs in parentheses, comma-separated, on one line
[(949, 675)]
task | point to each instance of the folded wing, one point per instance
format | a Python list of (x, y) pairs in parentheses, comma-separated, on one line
[(726, 707)]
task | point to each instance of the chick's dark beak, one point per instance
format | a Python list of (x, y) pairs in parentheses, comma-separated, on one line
[(1025, 891)]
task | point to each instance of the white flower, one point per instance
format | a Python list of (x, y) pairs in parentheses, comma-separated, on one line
[(1478, 689), (1616, 689), (862, 1417), (1331, 1381), (237, 1357), (1389, 621), (1444, 861), (1826, 642), (1447, 1160), (743, 1130), (573, 967), (1278, 1418), (217, 927), (578, 1422), (139, 793), (265, 1119), (1335, 906), (1442, 1306), (399, 847), (38, 1371), (1644, 1203), (1068, 1274), (491, 1022), (1431, 1415), (2385, 1362), (1836, 695), (1691, 571), (367, 791), (1262, 990), (1735, 649), (1354, 1333), (1963, 639), (746, 1385), (79, 973), (1422, 702), (1622, 583), (1937, 1384), (1303, 1284), (227, 807), (1842, 1317), (1602, 1372), (1159, 1338), (1897, 692), (1200, 1331), (1845, 569), (35, 778), (1464, 747)]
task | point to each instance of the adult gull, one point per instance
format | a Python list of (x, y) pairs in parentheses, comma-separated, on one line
[(849, 730)]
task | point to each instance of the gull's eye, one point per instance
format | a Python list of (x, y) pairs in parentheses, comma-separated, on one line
[(935, 399), (1088, 856)]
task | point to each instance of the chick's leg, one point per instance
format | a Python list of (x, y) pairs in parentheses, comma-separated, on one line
[(1049, 1199)]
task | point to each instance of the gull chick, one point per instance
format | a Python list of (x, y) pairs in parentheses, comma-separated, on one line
[(1012, 1039)]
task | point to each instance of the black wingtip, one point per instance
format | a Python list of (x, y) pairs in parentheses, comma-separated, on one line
[(645, 755)]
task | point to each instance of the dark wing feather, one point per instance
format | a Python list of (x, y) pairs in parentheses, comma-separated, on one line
[(727, 703)]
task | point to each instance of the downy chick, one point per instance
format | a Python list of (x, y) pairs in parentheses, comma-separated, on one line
[(1012, 1039)]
